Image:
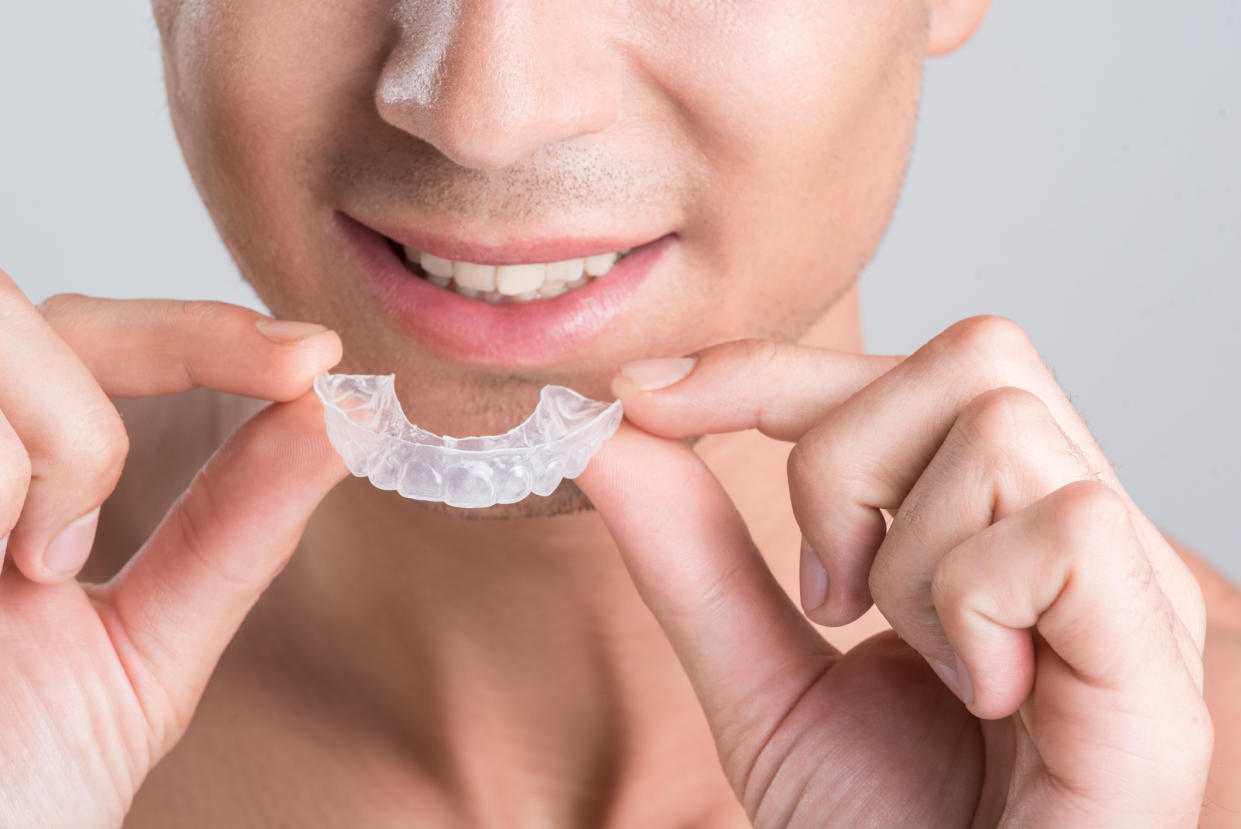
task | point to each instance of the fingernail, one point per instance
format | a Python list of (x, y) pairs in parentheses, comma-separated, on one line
[(288, 331), (649, 375), (813, 578), (957, 678), (69, 549)]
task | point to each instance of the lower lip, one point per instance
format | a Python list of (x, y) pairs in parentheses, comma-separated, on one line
[(527, 334)]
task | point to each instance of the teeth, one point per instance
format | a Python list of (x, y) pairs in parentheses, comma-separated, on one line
[(601, 264), (519, 279), (512, 283), (434, 265), (477, 277), (566, 271)]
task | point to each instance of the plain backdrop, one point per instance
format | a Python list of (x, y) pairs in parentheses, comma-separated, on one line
[(1076, 169)]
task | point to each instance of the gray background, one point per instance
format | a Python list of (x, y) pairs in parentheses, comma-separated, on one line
[(1076, 170)]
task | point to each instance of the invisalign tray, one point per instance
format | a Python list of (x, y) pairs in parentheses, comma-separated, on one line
[(366, 425)]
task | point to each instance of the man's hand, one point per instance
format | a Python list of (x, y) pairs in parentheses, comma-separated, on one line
[(1015, 566), (99, 681)]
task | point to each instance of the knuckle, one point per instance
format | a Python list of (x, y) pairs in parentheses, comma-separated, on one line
[(758, 355), (807, 461), (195, 309), (1086, 516), (797, 465), (199, 312), (1002, 416), (96, 451), (986, 339)]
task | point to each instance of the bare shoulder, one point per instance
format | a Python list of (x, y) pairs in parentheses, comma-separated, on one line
[(170, 438)]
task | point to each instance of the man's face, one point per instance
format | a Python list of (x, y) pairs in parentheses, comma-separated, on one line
[(750, 153)]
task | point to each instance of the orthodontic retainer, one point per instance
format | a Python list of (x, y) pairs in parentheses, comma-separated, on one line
[(368, 428)]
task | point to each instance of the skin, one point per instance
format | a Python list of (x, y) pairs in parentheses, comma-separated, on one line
[(499, 667)]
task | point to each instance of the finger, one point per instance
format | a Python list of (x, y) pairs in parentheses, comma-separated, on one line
[(14, 480), (73, 435), (781, 389), (1004, 452), (70, 432), (148, 347), (1056, 610), (745, 647), (866, 454), (183, 596), (1071, 567), (785, 389), (861, 443)]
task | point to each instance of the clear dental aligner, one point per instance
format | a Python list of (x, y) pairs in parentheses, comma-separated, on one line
[(366, 425)]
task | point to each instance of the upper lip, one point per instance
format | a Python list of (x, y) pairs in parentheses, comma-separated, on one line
[(516, 249)]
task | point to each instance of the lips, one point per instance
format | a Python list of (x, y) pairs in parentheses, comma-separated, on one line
[(462, 329)]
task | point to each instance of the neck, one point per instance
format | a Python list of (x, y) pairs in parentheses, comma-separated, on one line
[(514, 654)]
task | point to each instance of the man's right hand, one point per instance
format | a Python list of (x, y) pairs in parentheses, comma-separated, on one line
[(98, 681)]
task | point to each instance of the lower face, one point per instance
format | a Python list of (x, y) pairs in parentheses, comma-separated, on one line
[(735, 183)]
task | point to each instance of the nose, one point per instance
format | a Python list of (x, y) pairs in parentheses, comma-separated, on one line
[(488, 82)]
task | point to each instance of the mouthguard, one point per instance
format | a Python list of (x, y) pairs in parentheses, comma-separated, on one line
[(368, 428)]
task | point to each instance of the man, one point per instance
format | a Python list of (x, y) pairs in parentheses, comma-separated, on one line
[(665, 202)]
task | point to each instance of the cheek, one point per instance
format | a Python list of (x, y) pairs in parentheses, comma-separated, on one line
[(804, 114), (255, 89)]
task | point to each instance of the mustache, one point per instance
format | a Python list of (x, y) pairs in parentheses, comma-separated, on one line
[(562, 179)]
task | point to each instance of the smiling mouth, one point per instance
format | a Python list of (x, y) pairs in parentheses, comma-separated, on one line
[(506, 284)]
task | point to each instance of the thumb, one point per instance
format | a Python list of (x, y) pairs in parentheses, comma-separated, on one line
[(184, 594), (747, 650)]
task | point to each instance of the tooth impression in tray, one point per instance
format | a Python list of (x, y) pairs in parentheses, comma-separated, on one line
[(368, 428)]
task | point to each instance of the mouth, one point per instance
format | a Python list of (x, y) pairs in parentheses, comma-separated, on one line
[(506, 284), (536, 302)]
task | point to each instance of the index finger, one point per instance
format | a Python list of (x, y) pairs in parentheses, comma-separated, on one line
[(781, 389), (148, 347)]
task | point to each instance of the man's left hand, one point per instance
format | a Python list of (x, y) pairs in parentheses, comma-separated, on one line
[(1015, 566)]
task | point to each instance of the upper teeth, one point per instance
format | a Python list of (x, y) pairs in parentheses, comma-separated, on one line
[(517, 283)]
